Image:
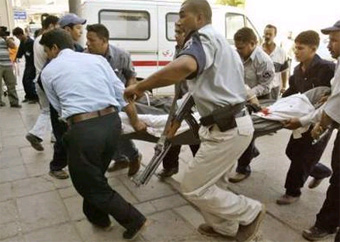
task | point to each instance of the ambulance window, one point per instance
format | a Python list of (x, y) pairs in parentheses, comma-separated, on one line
[(126, 25), (171, 19), (250, 25), (233, 22)]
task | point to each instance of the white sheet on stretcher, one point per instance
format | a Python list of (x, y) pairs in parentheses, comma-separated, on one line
[(155, 123), (296, 105)]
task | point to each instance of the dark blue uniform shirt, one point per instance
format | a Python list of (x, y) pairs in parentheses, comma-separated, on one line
[(319, 73)]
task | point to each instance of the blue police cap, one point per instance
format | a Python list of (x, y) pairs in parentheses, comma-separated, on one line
[(70, 18), (335, 27)]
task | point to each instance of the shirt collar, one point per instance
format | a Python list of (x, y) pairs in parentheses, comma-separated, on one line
[(252, 55), (109, 53), (315, 61), (337, 63), (65, 52)]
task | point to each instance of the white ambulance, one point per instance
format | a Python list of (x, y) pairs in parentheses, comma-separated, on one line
[(146, 29)]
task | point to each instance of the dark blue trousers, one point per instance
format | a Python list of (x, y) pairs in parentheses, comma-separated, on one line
[(90, 146), (329, 216)]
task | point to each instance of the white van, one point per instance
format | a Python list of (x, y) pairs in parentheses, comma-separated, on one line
[(146, 29)]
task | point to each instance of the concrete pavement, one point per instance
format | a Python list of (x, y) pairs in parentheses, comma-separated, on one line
[(37, 207)]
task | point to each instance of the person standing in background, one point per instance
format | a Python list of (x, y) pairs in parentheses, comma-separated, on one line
[(279, 58), (26, 49)]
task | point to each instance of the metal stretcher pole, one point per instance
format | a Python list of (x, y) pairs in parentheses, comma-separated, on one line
[(162, 147)]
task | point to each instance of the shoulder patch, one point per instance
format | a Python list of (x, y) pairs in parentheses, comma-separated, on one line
[(267, 75)]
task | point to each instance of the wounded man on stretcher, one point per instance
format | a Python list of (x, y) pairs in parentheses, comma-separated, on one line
[(168, 129)]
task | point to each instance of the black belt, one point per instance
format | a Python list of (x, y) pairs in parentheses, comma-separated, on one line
[(229, 111)]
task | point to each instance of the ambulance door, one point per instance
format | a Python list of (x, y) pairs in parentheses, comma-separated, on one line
[(134, 27), (167, 16), (233, 22)]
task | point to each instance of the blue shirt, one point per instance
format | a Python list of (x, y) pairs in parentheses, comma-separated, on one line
[(80, 83), (318, 73)]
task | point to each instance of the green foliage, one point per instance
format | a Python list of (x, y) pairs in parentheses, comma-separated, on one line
[(234, 3)]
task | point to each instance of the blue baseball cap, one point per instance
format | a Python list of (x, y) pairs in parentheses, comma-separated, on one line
[(334, 28), (70, 18)]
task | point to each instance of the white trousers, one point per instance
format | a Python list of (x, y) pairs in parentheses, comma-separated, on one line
[(219, 151), (43, 123)]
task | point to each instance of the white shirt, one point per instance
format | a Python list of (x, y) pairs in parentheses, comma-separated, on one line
[(80, 83), (331, 107), (279, 59), (333, 102), (40, 57)]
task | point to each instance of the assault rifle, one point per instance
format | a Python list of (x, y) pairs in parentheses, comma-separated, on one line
[(166, 140)]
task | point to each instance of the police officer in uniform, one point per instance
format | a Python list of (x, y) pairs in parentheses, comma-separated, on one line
[(127, 154), (215, 78), (259, 74)]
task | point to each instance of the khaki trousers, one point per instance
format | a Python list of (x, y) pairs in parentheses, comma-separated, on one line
[(219, 151)]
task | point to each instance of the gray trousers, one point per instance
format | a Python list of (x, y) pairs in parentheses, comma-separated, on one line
[(6, 74)]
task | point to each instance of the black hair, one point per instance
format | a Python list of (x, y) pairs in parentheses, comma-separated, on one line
[(58, 37), (200, 6), (3, 31), (309, 37), (18, 31), (100, 30), (245, 35), (71, 25), (270, 26), (50, 19)]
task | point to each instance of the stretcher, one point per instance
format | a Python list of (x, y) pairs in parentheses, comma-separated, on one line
[(188, 133)]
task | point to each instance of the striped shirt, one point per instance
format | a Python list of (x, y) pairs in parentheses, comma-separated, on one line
[(4, 54)]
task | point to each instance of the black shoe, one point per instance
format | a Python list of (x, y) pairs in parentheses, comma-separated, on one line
[(131, 234), (25, 100), (35, 142), (134, 165), (2, 104), (33, 101), (61, 174), (105, 227), (118, 165), (315, 233), (167, 172), (15, 106)]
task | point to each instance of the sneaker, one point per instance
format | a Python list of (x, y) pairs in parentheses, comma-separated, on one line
[(248, 232), (25, 100), (286, 200), (131, 234), (15, 106), (314, 183), (118, 165), (61, 174), (35, 142), (134, 165), (207, 230), (238, 177), (167, 172), (315, 233)]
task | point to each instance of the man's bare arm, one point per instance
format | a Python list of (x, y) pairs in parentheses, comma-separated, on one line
[(174, 72), (131, 112)]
